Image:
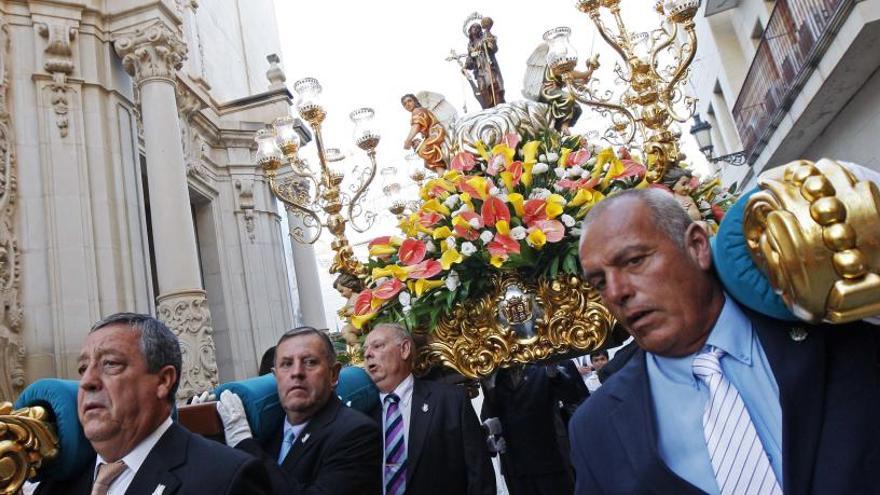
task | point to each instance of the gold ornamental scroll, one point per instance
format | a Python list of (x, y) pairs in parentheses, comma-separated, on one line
[(26, 440), (814, 230)]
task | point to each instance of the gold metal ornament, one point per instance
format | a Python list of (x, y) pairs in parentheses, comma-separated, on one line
[(473, 341), (26, 440), (814, 230)]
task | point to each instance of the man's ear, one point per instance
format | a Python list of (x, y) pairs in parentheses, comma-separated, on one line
[(167, 378), (696, 243), (406, 349), (335, 368)]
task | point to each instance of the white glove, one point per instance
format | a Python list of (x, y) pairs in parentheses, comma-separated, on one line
[(235, 424), (206, 396)]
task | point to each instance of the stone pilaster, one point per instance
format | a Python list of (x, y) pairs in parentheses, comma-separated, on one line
[(151, 55), (11, 343)]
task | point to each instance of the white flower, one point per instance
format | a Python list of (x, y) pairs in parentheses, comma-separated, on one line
[(552, 157), (452, 280), (540, 168), (404, 298), (429, 247), (592, 161), (560, 172), (539, 193), (487, 236), (575, 171), (493, 190), (467, 249), (451, 201), (518, 233), (576, 231), (450, 242), (460, 211), (543, 157), (567, 220), (558, 188), (475, 222), (502, 196)]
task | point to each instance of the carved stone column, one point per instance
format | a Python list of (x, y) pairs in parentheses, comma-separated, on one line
[(11, 343), (151, 55)]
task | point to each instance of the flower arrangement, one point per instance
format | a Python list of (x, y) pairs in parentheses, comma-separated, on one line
[(516, 205)]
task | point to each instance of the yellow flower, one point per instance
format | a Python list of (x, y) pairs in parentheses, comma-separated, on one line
[(526, 177), (507, 178), (396, 271), (586, 197), (563, 157), (517, 200), (358, 321), (602, 158), (502, 227), (643, 184), (450, 257), (451, 176), (441, 232), (615, 168), (555, 206), (481, 149), (458, 221), (382, 250), (436, 207), (504, 150), (410, 226), (480, 187), (497, 261), (424, 285), (536, 239), (530, 151)]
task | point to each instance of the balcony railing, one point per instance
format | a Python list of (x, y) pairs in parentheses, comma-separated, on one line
[(798, 33)]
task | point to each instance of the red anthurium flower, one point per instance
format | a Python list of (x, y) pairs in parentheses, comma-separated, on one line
[(428, 219), (535, 210), (425, 269), (463, 162), (579, 157), (496, 164), (379, 241), (515, 169), (502, 245), (552, 229), (466, 233), (471, 216), (411, 251), (362, 304), (388, 289), (511, 140), (632, 168), (585, 183), (494, 210)]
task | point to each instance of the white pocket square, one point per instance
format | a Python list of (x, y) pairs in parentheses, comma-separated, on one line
[(159, 490)]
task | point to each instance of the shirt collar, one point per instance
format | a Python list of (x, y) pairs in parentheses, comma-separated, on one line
[(732, 334), (403, 390), (134, 459), (297, 429)]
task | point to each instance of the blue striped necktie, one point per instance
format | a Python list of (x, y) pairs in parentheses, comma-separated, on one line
[(395, 448), (739, 461)]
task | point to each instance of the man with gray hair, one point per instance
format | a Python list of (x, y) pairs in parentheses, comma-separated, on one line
[(718, 399), (323, 446), (432, 443), (130, 368)]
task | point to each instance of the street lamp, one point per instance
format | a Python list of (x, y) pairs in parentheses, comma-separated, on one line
[(702, 133)]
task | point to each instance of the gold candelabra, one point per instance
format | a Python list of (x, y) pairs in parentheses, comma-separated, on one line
[(308, 192), (654, 70)]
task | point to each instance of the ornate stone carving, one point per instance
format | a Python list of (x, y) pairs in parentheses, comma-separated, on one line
[(59, 62), (275, 74), (246, 205), (12, 378), (27, 438), (187, 315), (188, 103), (150, 53)]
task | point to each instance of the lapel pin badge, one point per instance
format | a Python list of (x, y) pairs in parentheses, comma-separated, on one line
[(798, 334), (425, 407), (306, 437), (159, 490)]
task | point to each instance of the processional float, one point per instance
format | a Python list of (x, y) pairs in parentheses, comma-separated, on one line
[(484, 269)]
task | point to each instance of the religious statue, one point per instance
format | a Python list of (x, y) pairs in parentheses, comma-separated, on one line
[(426, 124), (349, 286), (480, 60), (682, 183), (564, 109)]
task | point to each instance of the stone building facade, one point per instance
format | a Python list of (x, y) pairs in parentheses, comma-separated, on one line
[(789, 79), (128, 183)]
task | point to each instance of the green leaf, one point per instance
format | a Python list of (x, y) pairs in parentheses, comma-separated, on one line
[(554, 268)]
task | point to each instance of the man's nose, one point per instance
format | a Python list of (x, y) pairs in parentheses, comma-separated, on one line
[(91, 379), (618, 289)]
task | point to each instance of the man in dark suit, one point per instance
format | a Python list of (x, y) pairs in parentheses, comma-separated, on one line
[(526, 400), (323, 447), (433, 442), (717, 399), (130, 368)]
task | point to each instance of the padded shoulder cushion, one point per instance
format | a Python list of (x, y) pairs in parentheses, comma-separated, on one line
[(75, 452), (738, 273), (357, 390), (260, 398)]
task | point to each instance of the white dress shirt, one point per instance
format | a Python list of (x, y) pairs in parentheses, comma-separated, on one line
[(133, 460), (404, 391)]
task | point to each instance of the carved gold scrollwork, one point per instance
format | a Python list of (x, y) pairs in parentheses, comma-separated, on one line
[(814, 230), (26, 440), (473, 342)]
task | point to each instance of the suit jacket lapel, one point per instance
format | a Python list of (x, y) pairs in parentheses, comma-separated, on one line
[(634, 422), (167, 454), (419, 425), (799, 369), (307, 438)]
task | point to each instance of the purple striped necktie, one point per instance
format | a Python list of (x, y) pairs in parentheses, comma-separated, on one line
[(395, 448), (738, 458)]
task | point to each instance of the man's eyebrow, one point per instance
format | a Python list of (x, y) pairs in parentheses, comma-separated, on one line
[(621, 256)]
